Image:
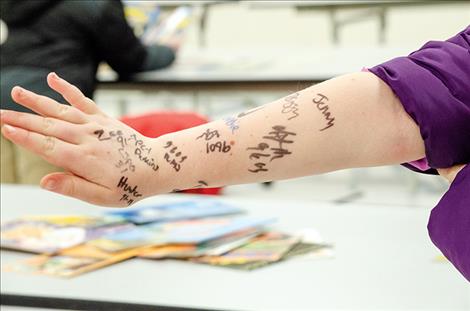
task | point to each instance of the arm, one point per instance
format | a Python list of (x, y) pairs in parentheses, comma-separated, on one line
[(432, 84), (350, 121)]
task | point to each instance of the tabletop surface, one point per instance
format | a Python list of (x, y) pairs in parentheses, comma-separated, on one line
[(383, 260), (264, 64)]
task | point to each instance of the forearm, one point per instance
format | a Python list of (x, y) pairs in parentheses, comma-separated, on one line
[(350, 121)]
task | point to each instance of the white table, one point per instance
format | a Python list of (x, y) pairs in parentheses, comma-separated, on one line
[(283, 64), (384, 260), (248, 70)]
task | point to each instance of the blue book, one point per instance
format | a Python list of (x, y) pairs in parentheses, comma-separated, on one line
[(176, 211), (202, 230), (193, 231)]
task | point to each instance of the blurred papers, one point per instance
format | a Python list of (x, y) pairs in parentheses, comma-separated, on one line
[(48, 234), (201, 231), (268, 248), (178, 232), (213, 247), (176, 211), (69, 263)]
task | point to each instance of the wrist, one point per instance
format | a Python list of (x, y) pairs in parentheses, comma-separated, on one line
[(172, 161)]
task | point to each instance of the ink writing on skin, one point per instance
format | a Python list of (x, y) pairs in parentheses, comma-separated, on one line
[(321, 102), (125, 162), (208, 134), (220, 146), (173, 156), (102, 135), (290, 106), (272, 148), (259, 168), (201, 183), (126, 147), (279, 135), (258, 155), (232, 123), (214, 146), (130, 192), (147, 160), (143, 152)]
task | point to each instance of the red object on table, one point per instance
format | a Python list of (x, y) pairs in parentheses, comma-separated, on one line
[(155, 124)]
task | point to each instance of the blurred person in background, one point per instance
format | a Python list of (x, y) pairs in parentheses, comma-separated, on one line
[(71, 38)]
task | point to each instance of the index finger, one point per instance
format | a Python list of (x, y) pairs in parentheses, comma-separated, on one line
[(46, 106), (72, 94)]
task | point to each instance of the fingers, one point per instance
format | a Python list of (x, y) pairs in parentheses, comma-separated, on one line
[(53, 150), (72, 94), (77, 187), (43, 125), (46, 106)]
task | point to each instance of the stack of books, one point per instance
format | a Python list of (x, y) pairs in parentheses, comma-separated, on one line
[(202, 231)]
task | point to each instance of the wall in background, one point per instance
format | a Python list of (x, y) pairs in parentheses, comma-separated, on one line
[(246, 24)]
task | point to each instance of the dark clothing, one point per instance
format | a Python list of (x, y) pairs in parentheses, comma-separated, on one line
[(70, 38), (433, 84)]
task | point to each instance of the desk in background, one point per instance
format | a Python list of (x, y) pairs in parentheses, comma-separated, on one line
[(362, 10), (383, 260), (246, 71)]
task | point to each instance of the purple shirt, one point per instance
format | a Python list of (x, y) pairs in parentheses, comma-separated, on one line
[(433, 85), (449, 223)]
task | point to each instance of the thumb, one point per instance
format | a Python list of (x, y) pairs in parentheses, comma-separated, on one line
[(77, 187)]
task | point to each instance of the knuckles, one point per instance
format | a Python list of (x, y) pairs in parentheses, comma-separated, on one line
[(49, 145), (47, 123), (63, 110)]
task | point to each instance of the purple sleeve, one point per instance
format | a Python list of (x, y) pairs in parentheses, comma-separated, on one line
[(449, 223), (433, 84)]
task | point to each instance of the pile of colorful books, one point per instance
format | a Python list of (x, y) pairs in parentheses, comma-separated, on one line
[(203, 231)]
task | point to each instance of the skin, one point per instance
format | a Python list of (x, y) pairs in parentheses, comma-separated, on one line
[(451, 172), (354, 120)]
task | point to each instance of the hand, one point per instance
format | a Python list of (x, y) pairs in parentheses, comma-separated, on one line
[(105, 161), (451, 172)]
